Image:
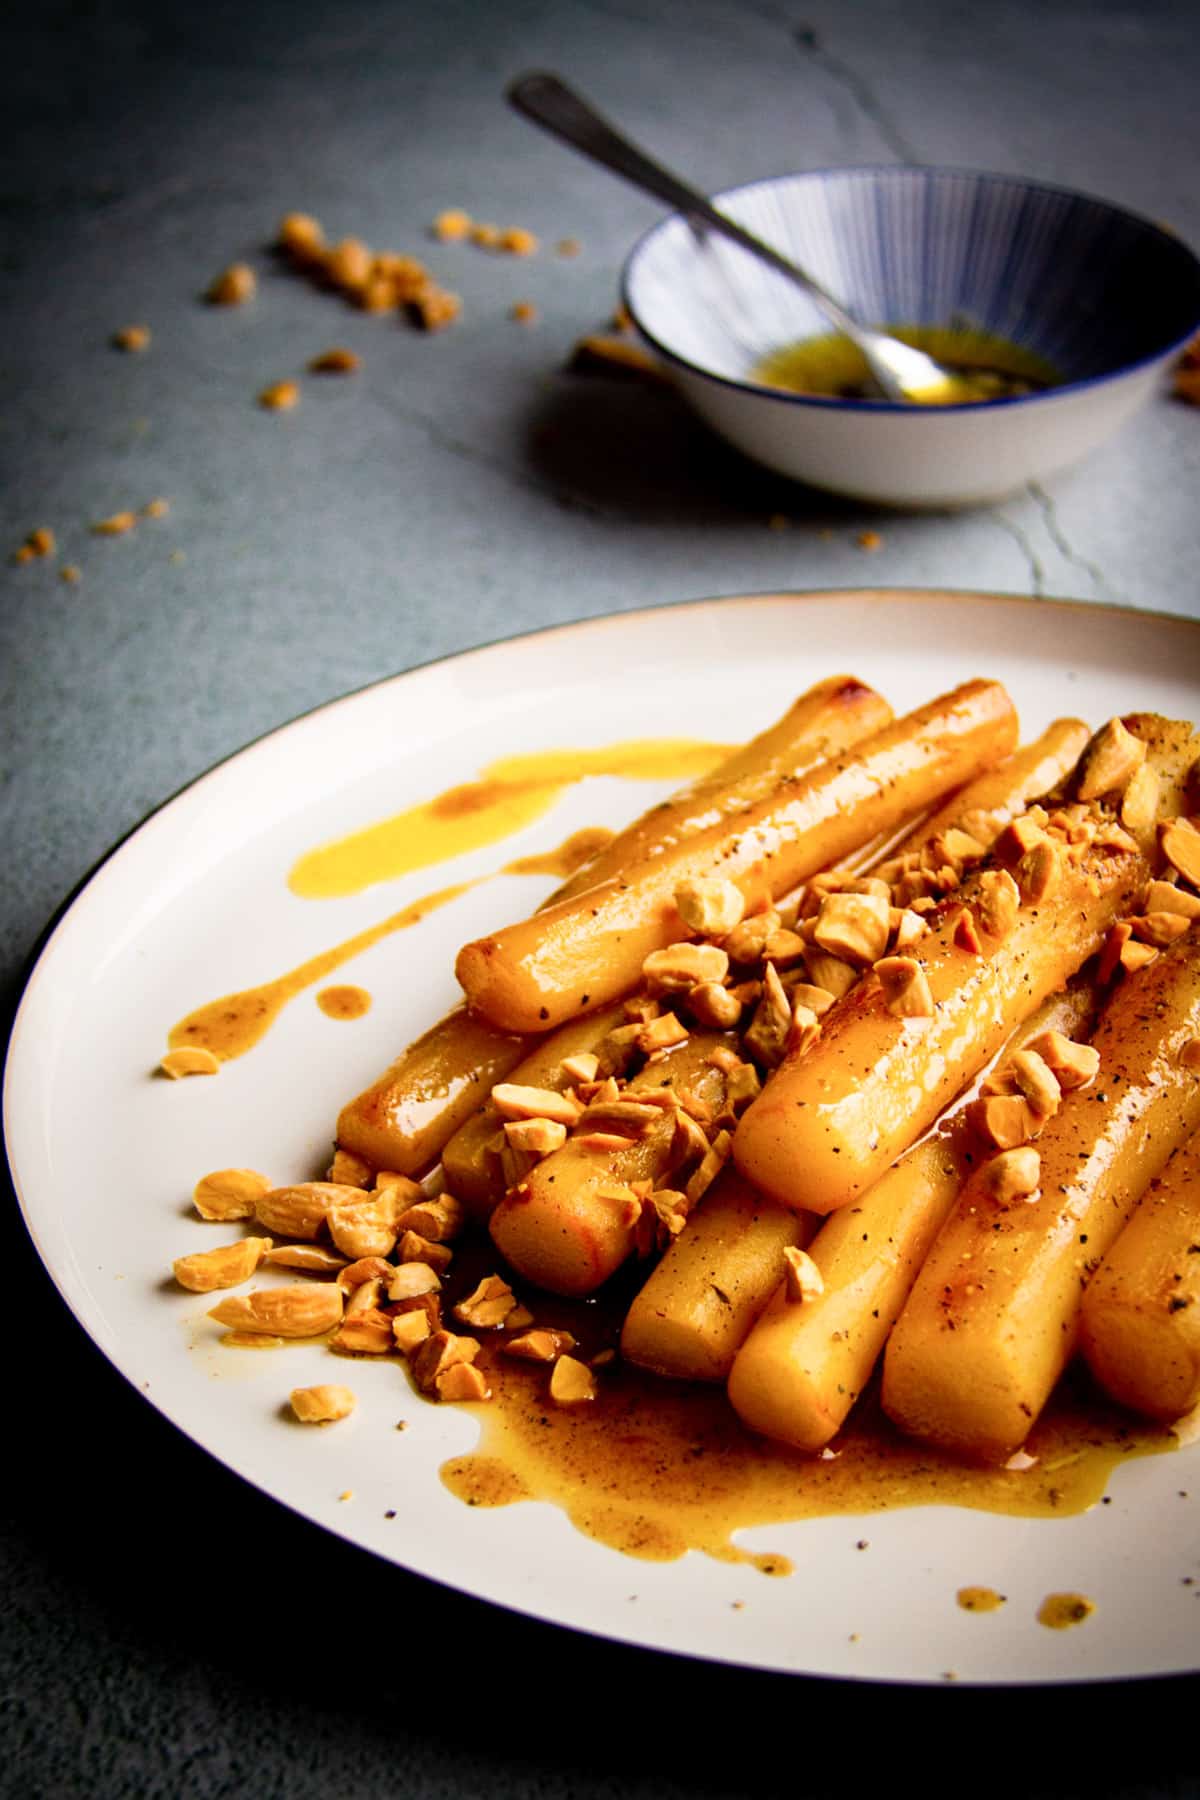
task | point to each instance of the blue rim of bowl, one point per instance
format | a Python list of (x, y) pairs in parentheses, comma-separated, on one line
[(829, 402)]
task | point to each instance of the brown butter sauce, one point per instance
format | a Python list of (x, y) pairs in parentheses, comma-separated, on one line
[(512, 794), (656, 1468)]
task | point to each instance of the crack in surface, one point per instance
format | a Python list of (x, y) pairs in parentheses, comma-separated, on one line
[(1101, 585), (1037, 574), (466, 452), (808, 42)]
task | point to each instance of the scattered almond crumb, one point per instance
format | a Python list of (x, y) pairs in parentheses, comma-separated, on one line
[(156, 509), (280, 396), (336, 361), (568, 246), (525, 312), (132, 338), (346, 1494), (70, 573), (234, 286), (517, 241), (39, 543), (323, 1404), (486, 236), (435, 308), (452, 225), (869, 540), (116, 526)]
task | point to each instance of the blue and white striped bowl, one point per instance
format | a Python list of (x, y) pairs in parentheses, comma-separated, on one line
[(1104, 296)]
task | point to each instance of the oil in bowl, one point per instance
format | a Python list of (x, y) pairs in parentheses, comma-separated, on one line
[(985, 366)]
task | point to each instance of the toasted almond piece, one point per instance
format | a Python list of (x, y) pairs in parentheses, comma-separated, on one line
[(451, 225), (1108, 835), (711, 1164), (412, 1247), (132, 338), (746, 942), (601, 1140), (536, 1137), (1003, 1120), (906, 927), (300, 1211), (1139, 803), (440, 1220), (410, 1329), (336, 361), (1179, 841), (1109, 761), (462, 1382), (1074, 1065), (306, 1309), (349, 1170), (412, 1279), (802, 1280), (191, 1060), (439, 1352), (710, 906), (767, 1037), (742, 1086), (368, 1224), (1112, 951), (234, 286), (367, 1333), (1165, 896), (831, 973), (966, 934), (711, 1004), (517, 241), (1039, 872), (513, 1101), (1161, 928), (365, 1297), (488, 1306), (349, 265), (803, 1031), (854, 927), (315, 1259), (366, 1268), (571, 1382), (585, 1066), (630, 1118), (229, 1193), (682, 966), (280, 396), (1020, 836), (784, 948), (540, 1345), (1189, 1054), (301, 237), (204, 1271), (323, 1404), (1135, 956), (1036, 1080), (251, 1340), (1014, 1174), (662, 1033), (905, 985)]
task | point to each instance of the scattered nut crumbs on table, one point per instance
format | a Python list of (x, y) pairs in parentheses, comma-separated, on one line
[(40, 542), (869, 541), (335, 361), (280, 396), (132, 338), (233, 286), (379, 281)]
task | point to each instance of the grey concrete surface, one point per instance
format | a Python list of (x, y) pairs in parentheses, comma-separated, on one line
[(461, 488)]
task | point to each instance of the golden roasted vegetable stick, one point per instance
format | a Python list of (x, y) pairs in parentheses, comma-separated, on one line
[(471, 1167), (994, 1316), (402, 1120), (804, 1365), (832, 716), (1140, 1325), (712, 1283), (405, 1117), (1028, 774), (573, 1220), (830, 1122), (586, 951)]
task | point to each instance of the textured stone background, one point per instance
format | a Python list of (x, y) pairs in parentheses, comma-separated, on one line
[(462, 488)]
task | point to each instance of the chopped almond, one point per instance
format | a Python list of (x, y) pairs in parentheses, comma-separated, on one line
[(280, 396), (133, 338), (802, 1278), (336, 361), (451, 225), (234, 286)]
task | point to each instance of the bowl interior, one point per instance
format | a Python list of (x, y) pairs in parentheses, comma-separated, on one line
[(1085, 286)]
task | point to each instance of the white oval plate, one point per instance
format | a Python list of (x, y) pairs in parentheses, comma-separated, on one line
[(195, 904)]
